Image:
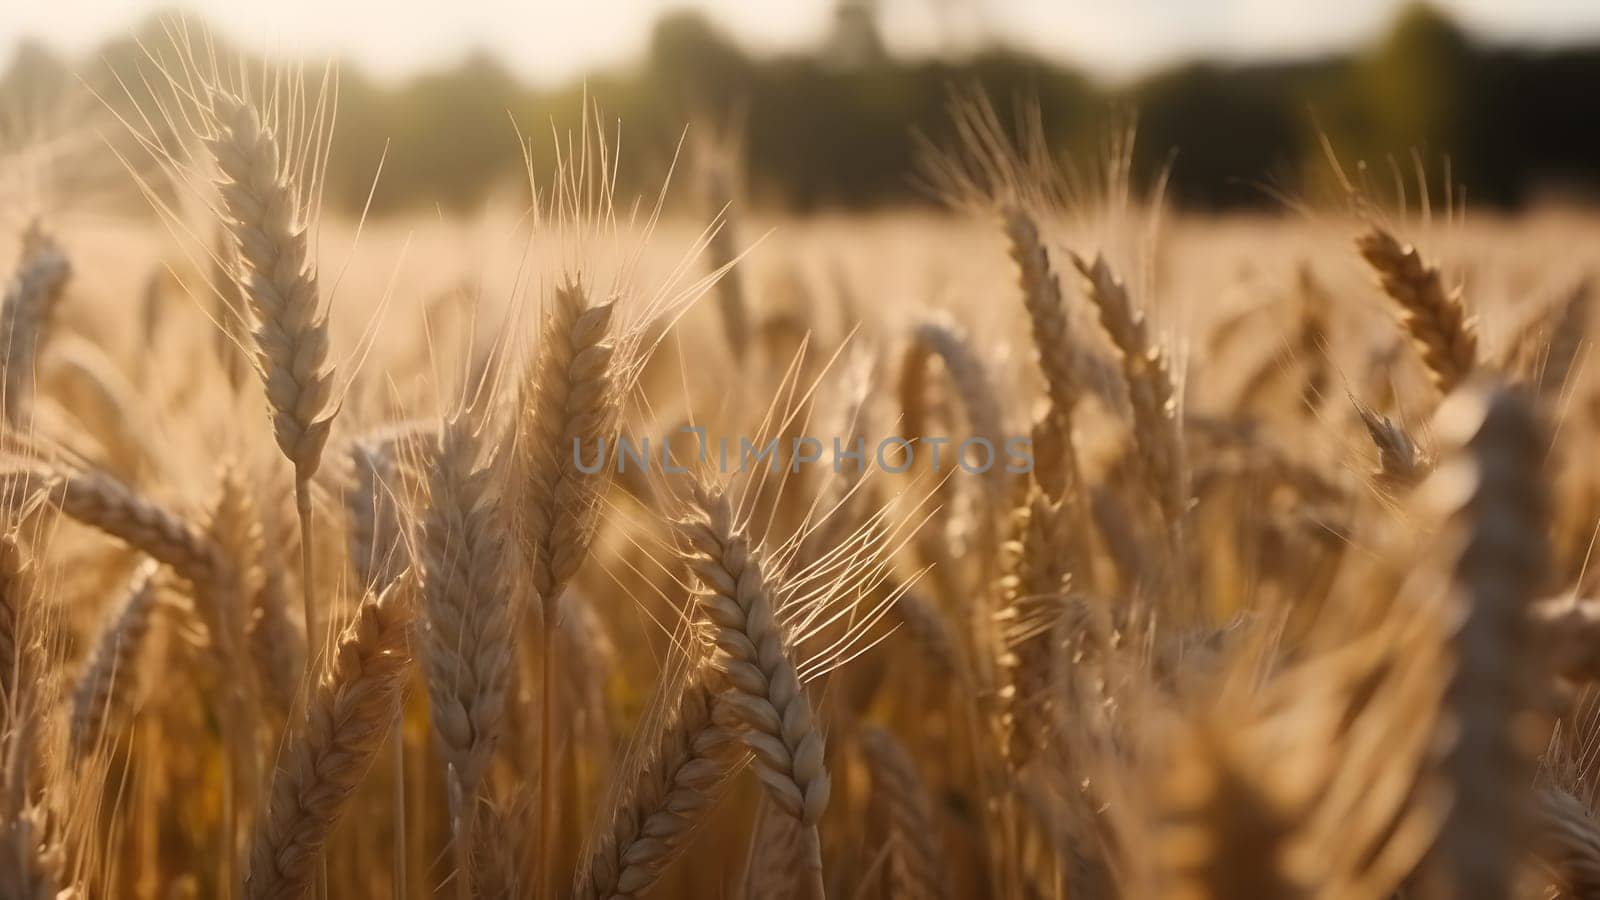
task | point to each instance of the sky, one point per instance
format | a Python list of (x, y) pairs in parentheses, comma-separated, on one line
[(548, 41)]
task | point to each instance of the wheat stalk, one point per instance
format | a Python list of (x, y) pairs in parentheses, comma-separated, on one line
[(723, 248), (1311, 338)]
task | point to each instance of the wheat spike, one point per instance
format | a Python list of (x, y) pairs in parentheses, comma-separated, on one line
[(1492, 494), (276, 647), (14, 588), (102, 502), (1055, 464), (467, 598), (25, 318), (684, 770), (1544, 351), (762, 691), (1567, 839), (347, 719), (1032, 591), (109, 676), (264, 216), (968, 374), (376, 533), (1440, 329), (1400, 463), (916, 868), (32, 854), (1152, 392), (570, 410), (1047, 314)]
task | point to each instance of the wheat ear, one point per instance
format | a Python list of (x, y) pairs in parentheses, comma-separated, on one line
[(1400, 463), (14, 587), (1152, 392), (1443, 334), (570, 410), (264, 214), (376, 535), (1567, 840), (773, 866), (470, 643), (235, 529), (690, 760), (104, 503), (265, 217), (762, 690), (1056, 465), (347, 718), (29, 305), (110, 675), (1544, 350), (916, 868), (1032, 590), (925, 624), (32, 854), (497, 864), (275, 646), (228, 311), (1047, 313), (1491, 491), (945, 339)]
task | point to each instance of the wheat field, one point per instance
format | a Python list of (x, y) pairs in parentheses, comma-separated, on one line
[(599, 546)]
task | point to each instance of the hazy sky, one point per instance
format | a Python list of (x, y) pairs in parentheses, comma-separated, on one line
[(546, 40)]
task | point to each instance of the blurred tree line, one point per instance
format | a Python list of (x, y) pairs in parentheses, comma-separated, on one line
[(836, 126)]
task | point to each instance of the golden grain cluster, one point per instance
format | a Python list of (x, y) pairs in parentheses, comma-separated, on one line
[(424, 558)]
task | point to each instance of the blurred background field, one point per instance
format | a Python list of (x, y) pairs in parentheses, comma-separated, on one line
[(831, 117)]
